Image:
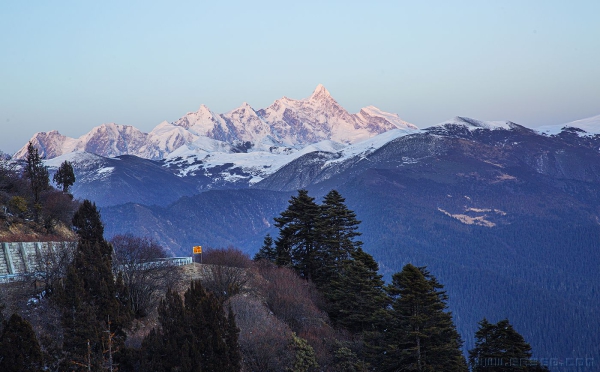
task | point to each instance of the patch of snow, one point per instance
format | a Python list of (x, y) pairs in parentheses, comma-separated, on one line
[(392, 118), (106, 170), (479, 210), (590, 125), (468, 220), (473, 124), (78, 157), (201, 145), (368, 146), (259, 164)]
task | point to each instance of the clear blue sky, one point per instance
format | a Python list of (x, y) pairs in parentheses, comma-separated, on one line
[(73, 65)]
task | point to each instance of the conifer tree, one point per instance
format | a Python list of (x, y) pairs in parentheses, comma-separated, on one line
[(90, 296), (210, 330), (195, 335), (231, 339), (339, 230), (64, 176), (304, 359), (356, 297), (37, 173), (346, 360), (283, 250), (88, 226), (299, 235), (163, 349), (422, 336), (19, 347), (267, 251), (499, 348)]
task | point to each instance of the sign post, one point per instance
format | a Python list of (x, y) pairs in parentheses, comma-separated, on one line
[(198, 250)]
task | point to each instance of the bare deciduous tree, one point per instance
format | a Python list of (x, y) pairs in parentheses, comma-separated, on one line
[(264, 340), (230, 257), (57, 208), (226, 271), (52, 264), (146, 276), (291, 298)]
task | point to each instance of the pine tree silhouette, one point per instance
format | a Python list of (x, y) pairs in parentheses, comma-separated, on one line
[(422, 336), (19, 347), (195, 335), (90, 296)]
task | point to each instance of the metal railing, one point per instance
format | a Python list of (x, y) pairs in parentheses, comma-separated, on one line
[(156, 263)]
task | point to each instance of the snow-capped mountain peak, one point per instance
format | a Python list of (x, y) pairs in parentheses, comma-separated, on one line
[(374, 112), (202, 122), (204, 108), (473, 124), (320, 93), (244, 107), (590, 125), (112, 140), (49, 144), (289, 123)]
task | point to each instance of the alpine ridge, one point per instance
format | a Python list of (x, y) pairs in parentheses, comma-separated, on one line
[(287, 122)]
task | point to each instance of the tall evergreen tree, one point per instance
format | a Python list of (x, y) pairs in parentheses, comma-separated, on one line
[(162, 349), (283, 250), (64, 176), (357, 299), (195, 335), (19, 347), (232, 335), (267, 251), (37, 173), (209, 313), (90, 297), (88, 226), (299, 234), (339, 230), (499, 348), (422, 336)]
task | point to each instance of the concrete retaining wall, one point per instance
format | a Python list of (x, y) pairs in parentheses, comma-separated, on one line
[(21, 258)]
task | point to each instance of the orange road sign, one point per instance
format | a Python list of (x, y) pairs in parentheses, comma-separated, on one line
[(197, 249)]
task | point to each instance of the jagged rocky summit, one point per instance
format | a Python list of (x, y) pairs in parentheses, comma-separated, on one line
[(285, 123)]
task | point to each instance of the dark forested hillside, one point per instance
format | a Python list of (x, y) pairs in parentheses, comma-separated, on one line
[(514, 235), (114, 181), (507, 219), (215, 218), (540, 272)]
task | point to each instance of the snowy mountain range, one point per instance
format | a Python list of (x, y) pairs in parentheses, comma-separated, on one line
[(287, 123), (243, 147)]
